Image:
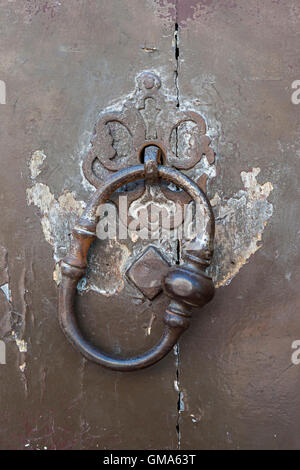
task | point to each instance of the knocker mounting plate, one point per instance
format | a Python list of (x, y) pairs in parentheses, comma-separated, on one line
[(143, 143), (148, 117)]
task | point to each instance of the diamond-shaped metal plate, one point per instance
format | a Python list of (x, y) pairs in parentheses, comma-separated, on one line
[(147, 272)]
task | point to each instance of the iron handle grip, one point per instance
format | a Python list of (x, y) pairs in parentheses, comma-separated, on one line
[(188, 285)]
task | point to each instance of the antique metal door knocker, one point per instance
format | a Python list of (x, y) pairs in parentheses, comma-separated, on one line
[(151, 158)]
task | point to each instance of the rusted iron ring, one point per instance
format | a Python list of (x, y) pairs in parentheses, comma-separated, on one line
[(186, 284)]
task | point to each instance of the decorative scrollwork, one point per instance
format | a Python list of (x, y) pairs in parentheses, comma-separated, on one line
[(147, 117)]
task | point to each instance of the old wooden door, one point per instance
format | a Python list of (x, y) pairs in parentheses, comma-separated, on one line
[(232, 382)]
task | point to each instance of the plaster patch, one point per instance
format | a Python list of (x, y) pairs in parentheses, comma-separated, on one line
[(240, 222)]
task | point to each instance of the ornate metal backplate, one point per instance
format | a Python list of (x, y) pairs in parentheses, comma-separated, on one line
[(148, 116)]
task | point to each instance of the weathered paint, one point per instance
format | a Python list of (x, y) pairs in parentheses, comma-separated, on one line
[(240, 222), (234, 369), (36, 162)]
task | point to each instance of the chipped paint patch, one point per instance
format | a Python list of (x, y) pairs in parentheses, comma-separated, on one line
[(187, 11), (6, 290), (105, 272), (4, 278), (240, 223), (5, 299), (8, 314), (58, 216), (58, 219), (240, 220), (32, 8), (36, 162), (57, 274), (165, 10), (21, 343)]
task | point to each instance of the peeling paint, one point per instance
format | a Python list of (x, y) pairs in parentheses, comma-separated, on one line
[(21, 343), (197, 416), (240, 222), (32, 8), (7, 292), (57, 215), (105, 272), (288, 276), (186, 11), (4, 279), (57, 274), (36, 162), (7, 321), (165, 10), (5, 299)]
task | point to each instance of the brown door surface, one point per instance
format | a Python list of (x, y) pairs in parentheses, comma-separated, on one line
[(232, 381)]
